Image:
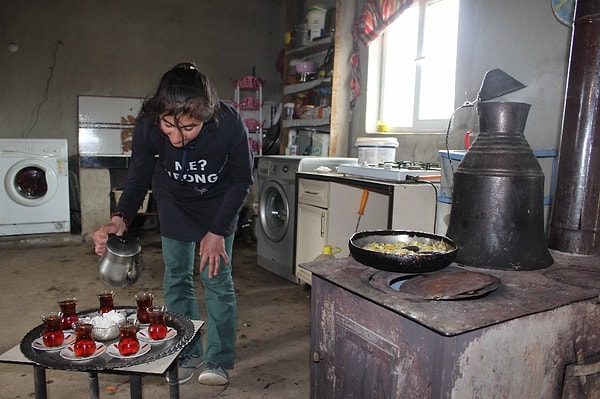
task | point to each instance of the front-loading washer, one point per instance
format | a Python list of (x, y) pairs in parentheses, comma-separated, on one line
[(276, 176), (34, 195)]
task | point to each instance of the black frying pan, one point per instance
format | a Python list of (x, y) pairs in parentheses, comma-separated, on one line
[(415, 262)]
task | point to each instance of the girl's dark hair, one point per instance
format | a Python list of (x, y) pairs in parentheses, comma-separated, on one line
[(183, 91)]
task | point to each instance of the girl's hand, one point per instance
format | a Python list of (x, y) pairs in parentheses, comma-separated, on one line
[(211, 250)]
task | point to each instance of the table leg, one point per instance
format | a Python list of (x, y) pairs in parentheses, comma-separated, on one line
[(39, 381), (135, 386), (173, 381), (93, 385)]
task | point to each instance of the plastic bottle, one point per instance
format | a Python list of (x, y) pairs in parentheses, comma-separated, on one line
[(328, 252), (292, 147)]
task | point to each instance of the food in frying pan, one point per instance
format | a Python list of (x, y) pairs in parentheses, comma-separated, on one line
[(404, 248), (419, 257)]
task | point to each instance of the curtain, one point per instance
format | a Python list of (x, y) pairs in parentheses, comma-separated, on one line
[(375, 17)]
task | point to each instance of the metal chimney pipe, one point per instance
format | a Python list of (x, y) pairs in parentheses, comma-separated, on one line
[(575, 218)]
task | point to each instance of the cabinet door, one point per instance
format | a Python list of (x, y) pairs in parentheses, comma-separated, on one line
[(343, 214), (414, 207), (311, 232)]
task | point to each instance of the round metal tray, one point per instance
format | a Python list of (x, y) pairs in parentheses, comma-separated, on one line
[(52, 359)]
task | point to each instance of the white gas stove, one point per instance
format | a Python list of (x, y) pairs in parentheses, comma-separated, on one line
[(394, 171)]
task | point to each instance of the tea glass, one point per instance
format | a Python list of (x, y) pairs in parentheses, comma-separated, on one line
[(144, 301), (128, 342), (158, 326), (84, 346), (53, 334), (106, 299), (68, 306)]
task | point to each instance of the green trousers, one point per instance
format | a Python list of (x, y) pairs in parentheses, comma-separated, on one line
[(219, 300)]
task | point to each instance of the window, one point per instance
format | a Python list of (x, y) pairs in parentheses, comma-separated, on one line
[(412, 66)]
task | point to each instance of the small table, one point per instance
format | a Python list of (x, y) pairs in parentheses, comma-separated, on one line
[(154, 367)]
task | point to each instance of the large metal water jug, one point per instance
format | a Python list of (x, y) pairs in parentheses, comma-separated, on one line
[(497, 215)]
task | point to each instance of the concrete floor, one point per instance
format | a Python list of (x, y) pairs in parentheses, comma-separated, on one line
[(273, 321)]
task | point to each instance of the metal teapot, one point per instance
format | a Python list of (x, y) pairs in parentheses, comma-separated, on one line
[(119, 266)]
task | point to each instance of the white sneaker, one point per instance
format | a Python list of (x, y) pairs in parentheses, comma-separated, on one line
[(213, 374), (186, 366)]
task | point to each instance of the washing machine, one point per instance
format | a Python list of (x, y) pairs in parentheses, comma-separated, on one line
[(276, 179), (275, 234), (34, 195)]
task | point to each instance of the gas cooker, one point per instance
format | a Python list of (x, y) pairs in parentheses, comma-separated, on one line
[(394, 171)]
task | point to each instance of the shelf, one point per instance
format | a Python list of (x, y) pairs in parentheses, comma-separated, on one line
[(298, 87), (314, 46), (304, 122)]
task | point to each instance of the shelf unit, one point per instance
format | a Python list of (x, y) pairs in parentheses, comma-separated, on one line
[(341, 40), (248, 101), (315, 50)]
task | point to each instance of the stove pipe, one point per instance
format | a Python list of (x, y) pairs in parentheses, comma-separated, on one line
[(575, 218), (497, 215)]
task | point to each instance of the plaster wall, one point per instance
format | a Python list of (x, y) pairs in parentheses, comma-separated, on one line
[(121, 48), (522, 38)]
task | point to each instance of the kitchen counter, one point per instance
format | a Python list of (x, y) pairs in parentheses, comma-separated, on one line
[(570, 279), (381, 186)]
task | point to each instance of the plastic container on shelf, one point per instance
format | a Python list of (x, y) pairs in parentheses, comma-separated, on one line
[(301, 34), (315, 19), (320, 144), (375, 150)]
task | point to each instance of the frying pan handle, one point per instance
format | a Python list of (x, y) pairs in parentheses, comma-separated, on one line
[(363, 202)]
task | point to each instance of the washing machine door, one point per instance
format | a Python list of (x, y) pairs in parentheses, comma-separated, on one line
[(274, 211), (31, 182)]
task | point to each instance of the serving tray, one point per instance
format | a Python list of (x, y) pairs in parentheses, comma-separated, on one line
[(53, 360)]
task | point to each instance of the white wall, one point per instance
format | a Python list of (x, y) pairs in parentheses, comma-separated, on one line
[(121, 48), (524, 39)]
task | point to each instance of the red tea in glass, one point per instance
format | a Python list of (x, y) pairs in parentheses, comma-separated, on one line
[(106, 302), (128, 343), (84, 346), (68, 307), (158, 326), (53, 334), (144, 301)]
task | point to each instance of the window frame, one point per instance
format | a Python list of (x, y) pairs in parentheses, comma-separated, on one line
[(375, 83)]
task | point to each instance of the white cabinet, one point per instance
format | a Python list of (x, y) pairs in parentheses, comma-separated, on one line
[(327, 213), (311, 237)]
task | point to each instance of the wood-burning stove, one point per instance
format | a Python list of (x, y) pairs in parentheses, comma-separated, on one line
[(515, 342)]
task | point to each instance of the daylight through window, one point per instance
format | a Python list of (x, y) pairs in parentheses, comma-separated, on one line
[(412, 69)]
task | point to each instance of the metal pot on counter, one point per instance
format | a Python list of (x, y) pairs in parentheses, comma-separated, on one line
[(120, 266)]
